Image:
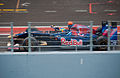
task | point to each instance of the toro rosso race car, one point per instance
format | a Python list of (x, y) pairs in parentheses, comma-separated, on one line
[(78, 35)]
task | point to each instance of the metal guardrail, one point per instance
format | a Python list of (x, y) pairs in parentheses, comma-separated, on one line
[(76, 22), (3, 38), (91, 45)]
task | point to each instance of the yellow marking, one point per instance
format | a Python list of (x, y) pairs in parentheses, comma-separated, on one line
[(13, 11), (1, 4), (21, 10), (18, 2), (8, 9)]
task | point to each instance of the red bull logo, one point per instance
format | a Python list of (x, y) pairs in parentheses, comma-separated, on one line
[(72, 42)]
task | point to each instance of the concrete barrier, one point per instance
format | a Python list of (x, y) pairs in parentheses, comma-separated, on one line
[(60, 65)]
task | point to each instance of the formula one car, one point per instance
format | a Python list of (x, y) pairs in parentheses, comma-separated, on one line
[(79, 35)]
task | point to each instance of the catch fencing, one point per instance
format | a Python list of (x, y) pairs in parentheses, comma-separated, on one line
[(44, 28)]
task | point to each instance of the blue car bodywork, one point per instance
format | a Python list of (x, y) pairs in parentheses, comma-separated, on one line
[(67, 38)]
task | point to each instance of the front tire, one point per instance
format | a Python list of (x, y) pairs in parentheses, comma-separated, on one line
[(33, 43)]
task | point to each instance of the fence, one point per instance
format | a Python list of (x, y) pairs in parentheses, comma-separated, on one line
[(3, 35), (46, 39)]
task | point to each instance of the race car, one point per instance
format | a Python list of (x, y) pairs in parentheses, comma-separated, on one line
[(79, 35)]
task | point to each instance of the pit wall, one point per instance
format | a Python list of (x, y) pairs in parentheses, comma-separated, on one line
[(60, 65)]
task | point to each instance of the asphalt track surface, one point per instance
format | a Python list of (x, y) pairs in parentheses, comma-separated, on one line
[(60, 11)]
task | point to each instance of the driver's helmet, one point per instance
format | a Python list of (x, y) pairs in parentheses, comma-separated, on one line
[(70, 24), (52, 26), (62, 29)]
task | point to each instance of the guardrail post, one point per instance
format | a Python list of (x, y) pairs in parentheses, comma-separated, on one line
[(76, 48), (91, 36), (109, 29), (29, 36), (12, 42)]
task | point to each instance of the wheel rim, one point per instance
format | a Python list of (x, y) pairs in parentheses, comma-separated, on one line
[(32, 44), (103, 47)]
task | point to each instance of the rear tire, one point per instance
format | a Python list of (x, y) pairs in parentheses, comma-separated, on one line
[(102, 40)]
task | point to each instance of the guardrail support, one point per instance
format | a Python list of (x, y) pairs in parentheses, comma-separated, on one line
[(91, 36), (12, 42), (109, 29), (29, 36)]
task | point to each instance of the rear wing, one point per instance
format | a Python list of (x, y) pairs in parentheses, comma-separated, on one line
[(113, 30)]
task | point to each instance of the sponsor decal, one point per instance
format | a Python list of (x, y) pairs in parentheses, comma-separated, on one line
[(71, 42)]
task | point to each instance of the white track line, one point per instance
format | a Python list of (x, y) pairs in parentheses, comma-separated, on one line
[(39, 26), (50, 11), (15, 27), (110, 10), (4, 34), (81, 10)]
